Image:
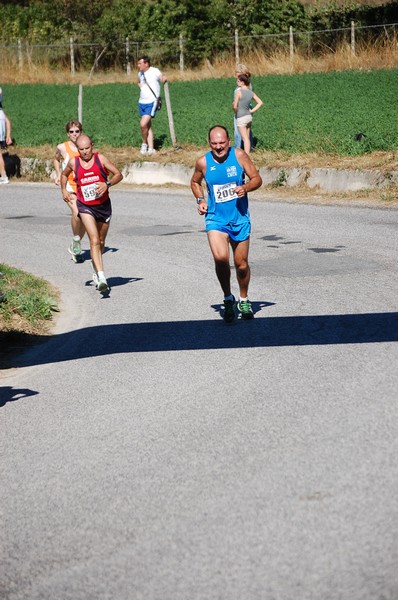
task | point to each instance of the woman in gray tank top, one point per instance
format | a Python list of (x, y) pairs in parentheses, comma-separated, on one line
[(243, 112)]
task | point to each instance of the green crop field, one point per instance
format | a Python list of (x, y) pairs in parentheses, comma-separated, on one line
[(302, 113)]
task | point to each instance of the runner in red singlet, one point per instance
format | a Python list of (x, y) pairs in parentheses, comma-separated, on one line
[(91, 171)]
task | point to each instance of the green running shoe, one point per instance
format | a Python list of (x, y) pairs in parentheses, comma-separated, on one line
[(245, 309), (229, 315), (75, 250)]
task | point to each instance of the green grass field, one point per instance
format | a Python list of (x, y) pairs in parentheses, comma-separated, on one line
[(302, 113), (29, 302)]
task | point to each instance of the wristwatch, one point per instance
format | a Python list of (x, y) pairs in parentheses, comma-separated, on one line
[(108, 183), (200, 199)]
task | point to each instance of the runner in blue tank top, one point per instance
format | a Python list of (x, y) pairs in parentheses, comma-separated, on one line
[(226, 211)]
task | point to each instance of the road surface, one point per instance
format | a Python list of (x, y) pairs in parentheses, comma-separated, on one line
[(152, 452)]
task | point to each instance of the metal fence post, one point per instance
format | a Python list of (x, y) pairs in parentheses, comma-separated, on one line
[(72, 57), (181, 53)]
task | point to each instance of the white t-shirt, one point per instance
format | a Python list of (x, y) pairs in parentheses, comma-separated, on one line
[(153, 77)]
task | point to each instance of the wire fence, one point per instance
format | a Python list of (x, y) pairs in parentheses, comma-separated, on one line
[(121, 54)]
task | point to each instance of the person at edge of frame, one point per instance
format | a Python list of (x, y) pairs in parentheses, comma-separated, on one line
[(5, 139)]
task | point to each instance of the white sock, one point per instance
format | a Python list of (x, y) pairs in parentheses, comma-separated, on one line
[(76, 238), (101, 275), (242, 299)]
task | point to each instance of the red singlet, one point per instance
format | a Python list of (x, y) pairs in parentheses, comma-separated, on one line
[(87, 180)]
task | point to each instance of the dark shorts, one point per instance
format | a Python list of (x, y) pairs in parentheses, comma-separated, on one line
[(102, 213), (147, 109), (237, 233)]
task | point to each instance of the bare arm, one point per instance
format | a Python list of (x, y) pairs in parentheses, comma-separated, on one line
[(259, 103), (64, 178), (8, 131), (196, 184), (111, 168), (236, 101), (58, 159), (251, 171)]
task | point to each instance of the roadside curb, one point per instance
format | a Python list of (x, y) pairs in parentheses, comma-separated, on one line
[(326, 179)]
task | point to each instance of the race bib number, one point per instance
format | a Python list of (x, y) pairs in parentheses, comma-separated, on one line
[(89, 192), (225, 192)]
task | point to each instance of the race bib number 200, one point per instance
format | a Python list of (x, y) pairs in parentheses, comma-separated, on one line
[(225, 192)]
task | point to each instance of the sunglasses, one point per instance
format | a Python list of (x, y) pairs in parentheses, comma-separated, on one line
[(74, 130)]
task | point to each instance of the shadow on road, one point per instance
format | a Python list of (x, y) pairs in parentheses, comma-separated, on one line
[(9, 394), (175, 336), (116, 281)]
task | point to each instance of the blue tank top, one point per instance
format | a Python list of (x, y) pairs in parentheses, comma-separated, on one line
[(224, 206)]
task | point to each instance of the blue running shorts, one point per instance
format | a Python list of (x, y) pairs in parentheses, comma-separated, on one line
[(147, 109), (237, 233)]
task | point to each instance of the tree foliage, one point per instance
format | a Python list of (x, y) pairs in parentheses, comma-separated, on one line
[(207, 26)]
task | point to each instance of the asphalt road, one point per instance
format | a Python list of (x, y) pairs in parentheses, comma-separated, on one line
[(151, 452)]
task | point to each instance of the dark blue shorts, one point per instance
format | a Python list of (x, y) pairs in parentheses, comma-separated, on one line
[(102, 213)]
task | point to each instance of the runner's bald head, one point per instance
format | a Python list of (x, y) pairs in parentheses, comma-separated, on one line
[(83, 140), (218, 129)]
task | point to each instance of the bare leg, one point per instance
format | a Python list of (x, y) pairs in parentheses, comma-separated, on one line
[(76, 223), (150, 137), (2, 166), (219, 246), (245, 133), (97, 234), (241, 254), (146, 130)]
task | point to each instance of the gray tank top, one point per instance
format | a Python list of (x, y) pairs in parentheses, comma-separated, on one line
[(244, 103)]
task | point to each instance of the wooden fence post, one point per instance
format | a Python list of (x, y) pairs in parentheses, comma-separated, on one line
[(236, 47), (80, 104), (291, 45), (181, 53), (28, 53), (20, 56), (72, 57), (353, 38), (169, 113), (128, 66)]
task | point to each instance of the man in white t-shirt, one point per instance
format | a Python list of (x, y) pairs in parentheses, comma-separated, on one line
[(149, 81)]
